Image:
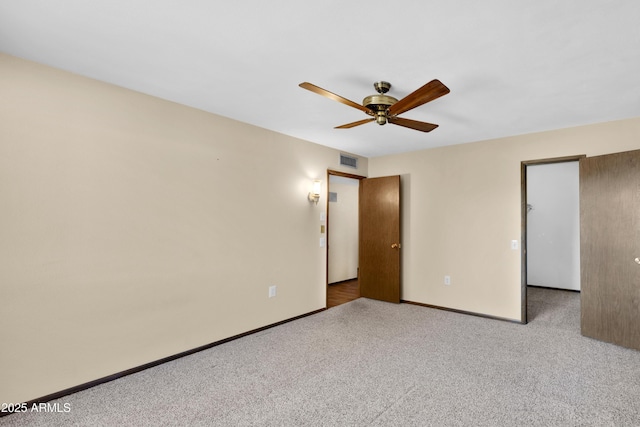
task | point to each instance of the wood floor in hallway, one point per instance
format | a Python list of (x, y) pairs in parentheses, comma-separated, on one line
[(342, 292)]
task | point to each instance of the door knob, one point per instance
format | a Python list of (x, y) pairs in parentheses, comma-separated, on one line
[(396, 246), (637, 260)]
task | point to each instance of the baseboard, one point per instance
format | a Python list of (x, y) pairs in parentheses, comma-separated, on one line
[(554, 289), (343, 281), (85, 386), (470, 313)]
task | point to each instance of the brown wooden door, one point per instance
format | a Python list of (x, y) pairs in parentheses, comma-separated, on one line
[(379, 249), (610, 248)]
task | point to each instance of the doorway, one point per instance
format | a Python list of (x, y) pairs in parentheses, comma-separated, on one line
[(342, 238), (550, 226), (553, 225), (378, 270)]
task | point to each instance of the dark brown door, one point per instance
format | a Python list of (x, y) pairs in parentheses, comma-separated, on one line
[(380, 238), (610, 248)]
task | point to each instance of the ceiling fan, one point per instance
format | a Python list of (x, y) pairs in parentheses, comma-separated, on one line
[(385, 108)]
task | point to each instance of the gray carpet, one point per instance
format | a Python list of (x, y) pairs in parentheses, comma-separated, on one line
[(368, 363)]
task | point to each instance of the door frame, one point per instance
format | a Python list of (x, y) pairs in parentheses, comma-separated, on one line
[(326, 273), (523, 223)]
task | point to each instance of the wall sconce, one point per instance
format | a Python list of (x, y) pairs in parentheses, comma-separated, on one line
[(314, 194)]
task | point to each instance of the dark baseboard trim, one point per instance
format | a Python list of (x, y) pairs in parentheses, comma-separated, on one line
[(554, 289), (343, 281), (470, 313), (81, 387)]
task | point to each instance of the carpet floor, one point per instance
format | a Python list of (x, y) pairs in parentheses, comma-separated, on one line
[(369, 363)]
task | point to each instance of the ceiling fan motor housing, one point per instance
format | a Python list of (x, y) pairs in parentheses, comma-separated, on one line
[(379, 105)]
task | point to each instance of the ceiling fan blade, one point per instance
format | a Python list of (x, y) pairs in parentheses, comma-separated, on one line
[(432, 90), (331, 95), (354, 124), (412, 124)]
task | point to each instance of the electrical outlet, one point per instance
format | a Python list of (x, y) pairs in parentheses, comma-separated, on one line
[(447, 280), (272, 291)]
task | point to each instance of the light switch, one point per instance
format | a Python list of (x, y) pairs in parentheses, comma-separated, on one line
[(322, 229), (514, 245), (322, 241), (323, 216)]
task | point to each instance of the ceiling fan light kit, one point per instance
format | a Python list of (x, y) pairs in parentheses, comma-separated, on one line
[(385, 108)]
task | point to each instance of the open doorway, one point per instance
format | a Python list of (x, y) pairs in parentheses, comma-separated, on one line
[(342, 238), (551, 228)]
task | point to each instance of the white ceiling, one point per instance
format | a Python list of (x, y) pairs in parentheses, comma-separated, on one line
[(513, 67)]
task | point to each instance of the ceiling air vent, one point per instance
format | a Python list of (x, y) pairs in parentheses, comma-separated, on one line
[(352, 162)]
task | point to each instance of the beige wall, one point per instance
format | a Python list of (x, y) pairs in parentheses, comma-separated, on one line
[(461, 209), (133, 228), (343, 229)]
